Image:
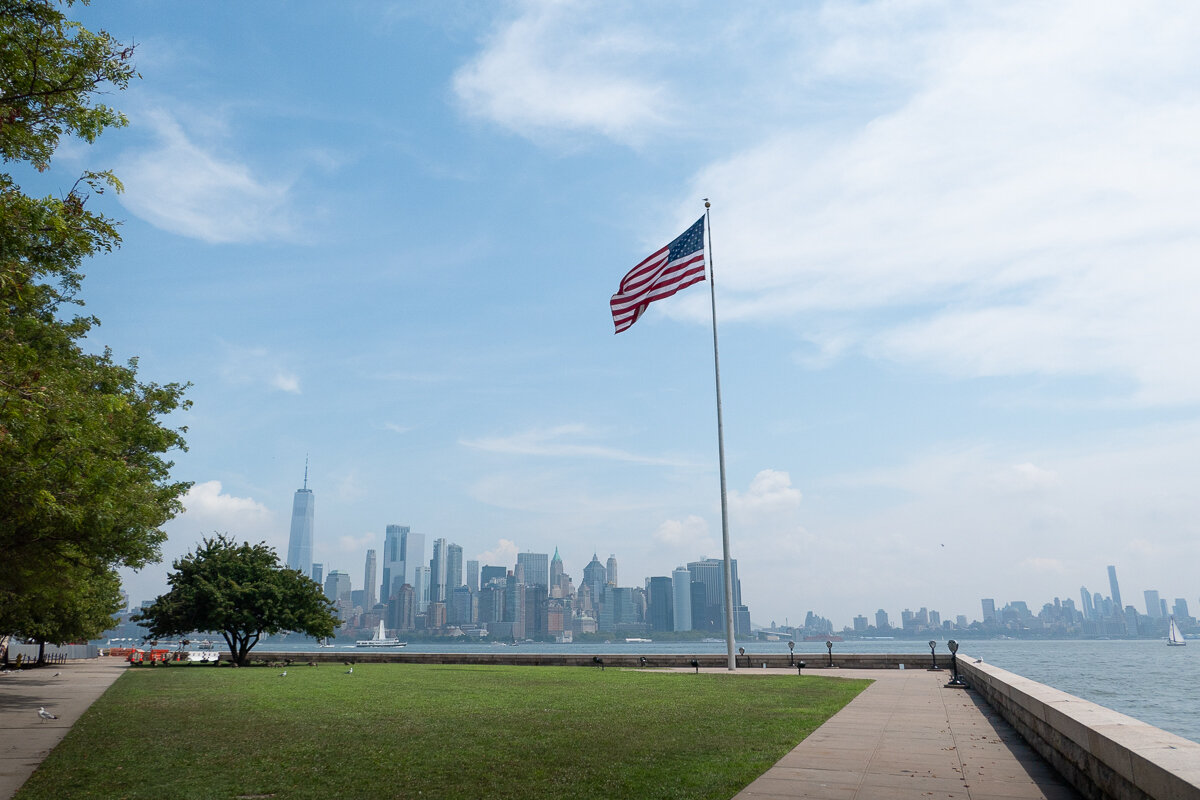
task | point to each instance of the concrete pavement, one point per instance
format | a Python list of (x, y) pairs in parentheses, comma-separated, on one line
[(907, 736), (65, 690)]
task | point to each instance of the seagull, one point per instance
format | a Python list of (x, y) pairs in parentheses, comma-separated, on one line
[(283, 674), (55, 675), (350, 671), (44, 714), (979, 661)]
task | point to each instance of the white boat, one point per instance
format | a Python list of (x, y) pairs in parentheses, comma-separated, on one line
[(637, 640), (1174, 637), (380, 639)]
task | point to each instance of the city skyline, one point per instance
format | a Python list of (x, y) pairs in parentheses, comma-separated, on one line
[(953, 246)]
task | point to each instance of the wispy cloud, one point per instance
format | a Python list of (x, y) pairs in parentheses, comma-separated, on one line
[(566, 67), (183, 187), (562, 441), (258, 366)]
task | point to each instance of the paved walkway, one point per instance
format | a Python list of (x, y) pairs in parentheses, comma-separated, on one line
[(907, 736), (65, 690)]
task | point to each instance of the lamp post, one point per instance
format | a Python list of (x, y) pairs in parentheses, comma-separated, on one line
[(791, 654), (955, 680), (696, 664), (829, 647), (933, 655), (742, 652)]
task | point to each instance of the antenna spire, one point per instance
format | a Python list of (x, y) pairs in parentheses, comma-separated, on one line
[(306, 472)]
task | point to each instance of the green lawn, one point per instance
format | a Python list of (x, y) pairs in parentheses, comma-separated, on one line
[(393, 730)]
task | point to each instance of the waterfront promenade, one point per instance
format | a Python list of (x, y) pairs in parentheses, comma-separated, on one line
[(907, 736), (65, 690)]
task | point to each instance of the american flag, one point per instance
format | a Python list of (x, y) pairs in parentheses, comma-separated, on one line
[(674, 267)]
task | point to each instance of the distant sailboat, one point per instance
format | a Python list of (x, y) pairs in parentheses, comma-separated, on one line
[(1174, 637)]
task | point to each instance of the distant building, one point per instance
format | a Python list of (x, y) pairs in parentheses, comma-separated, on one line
[(989, 610), (536, 569), (1152, 604), (556, 577), (860, 624), (489, 574), (300, 540), (681, 591), (1114, 588), (369, 581), (595, 577), (472, 577), (318, 573), (611, 569), (337, 586), (393, 561), (454, 568), (881, 620), (662, 604), (1088, 608), (437, 572)]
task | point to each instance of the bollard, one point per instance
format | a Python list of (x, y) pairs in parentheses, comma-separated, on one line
[(696, 664), (599, 662), (800, 667)]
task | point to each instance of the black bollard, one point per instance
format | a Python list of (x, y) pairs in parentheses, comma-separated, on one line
[(800, 665), (696, 664)]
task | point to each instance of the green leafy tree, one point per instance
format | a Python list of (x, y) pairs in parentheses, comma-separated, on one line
[(84, 487), (240, 591)]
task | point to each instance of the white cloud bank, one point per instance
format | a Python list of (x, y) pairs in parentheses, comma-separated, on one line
[(982, 190)]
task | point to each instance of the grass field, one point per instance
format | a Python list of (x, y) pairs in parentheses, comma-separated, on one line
[(406, 731)]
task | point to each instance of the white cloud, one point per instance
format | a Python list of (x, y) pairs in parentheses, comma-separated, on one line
[(504, 554), (258, 366), (181, 187), (557, 442), (396, 428), (566, 67), (690, 533), (206, 505), (771, 490)]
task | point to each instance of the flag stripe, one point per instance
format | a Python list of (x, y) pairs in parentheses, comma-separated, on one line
[(661, 274)]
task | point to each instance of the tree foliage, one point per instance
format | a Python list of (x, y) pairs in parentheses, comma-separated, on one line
[(84, 487), (240, 591)]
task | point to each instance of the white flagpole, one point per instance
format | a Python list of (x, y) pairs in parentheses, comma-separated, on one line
[(729, 635)]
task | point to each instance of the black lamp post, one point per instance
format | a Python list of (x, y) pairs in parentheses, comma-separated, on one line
[(829, 647), (696, 664), (791, 654), (955, 680), (933, 655), (742, 652)]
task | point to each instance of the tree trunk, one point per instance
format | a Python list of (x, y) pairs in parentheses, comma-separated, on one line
[(41, 662)]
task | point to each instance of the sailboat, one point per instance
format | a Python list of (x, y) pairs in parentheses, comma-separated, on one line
[(1174, 637), (380, 639)]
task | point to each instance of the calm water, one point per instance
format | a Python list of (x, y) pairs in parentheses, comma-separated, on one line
[(1144, 679)]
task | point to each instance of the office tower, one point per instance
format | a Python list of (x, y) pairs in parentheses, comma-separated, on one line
[(881, 620), (437, 572), (556, 576), (681, 589), (1181, 609), (318, 573), (337, 586), (421, 588), (989, 609), (935, 619), (536, 568), (489, 574), (711, 574), (662, 604), (611, 569), (460, 607), (393, 561), (860, 624), (402, 610), (369, 581), (1088, 608), (300, 540), (595, 576), (961, 620), (1098, 605), (1116, 590), (472, 580), (1152, 606), (454, 568), (1162, 608), (514, 605)]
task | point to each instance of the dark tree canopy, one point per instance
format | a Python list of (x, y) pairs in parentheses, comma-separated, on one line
[(240, 591), (84, 487)]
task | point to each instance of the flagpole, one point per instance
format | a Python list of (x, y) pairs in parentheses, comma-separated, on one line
[(729, 632)]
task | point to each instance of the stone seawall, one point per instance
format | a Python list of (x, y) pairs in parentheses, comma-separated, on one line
[(1102, 753)]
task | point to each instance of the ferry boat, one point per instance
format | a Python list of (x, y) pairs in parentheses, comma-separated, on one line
[(380, 639), (637, 640)]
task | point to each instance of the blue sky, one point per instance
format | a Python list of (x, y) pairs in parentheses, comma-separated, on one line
[(955, 250)]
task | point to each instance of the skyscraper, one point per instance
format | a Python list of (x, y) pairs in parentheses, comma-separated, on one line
[(536, 569), (472, 579), (369, 581), (1086, 597), (1116, 590), (595, 577), (611, 568), (393, 561), (300, 541), (454, 564), (1152, 603), (437, 572), (556, 576), (681, 589)]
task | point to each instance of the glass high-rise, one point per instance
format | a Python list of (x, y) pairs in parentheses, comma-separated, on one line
[(681, 587), (536, 568), (369, 581), (300, 540)]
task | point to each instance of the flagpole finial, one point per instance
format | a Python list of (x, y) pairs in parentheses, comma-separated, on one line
[(707, 204)]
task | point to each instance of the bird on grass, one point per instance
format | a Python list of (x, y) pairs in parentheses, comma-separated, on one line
[(350, 671), (283, 674), (45, 715)]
